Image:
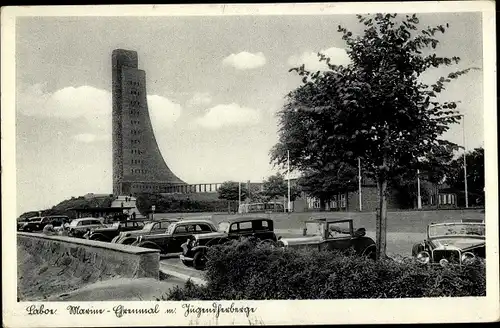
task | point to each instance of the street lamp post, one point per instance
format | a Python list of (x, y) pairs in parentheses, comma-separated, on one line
[(465, 163), (419, 197)]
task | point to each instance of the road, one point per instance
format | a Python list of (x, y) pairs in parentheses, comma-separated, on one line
[(172, 266)]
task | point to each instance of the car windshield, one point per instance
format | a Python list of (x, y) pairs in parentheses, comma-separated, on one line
[(460, 229), (73, 223), (170, 229), (314, 229), (35, 219), (223, 227)]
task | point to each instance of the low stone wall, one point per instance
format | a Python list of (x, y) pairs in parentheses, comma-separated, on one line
[(56, 264)]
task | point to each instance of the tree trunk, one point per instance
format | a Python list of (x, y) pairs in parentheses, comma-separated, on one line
[(229, 207), (381, 236)]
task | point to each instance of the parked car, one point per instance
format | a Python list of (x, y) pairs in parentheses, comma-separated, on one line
[(332, 234), (150, 228), (456, 243), (38, 223), (24, 223), (195, 248), (174, 237), (110, 232), (78, 227)]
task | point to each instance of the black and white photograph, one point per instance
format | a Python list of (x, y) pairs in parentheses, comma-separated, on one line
[(249, 164)]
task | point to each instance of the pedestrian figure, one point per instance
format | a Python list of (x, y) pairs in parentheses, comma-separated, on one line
[(49, 228), (122, 204), (133, 216)]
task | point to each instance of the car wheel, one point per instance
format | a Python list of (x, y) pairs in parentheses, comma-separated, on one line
[(417, 248), (187, 263), (199, 260)]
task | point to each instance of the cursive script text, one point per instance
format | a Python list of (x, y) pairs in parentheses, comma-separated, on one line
[(217, 309), (120, 310), (40, 310)]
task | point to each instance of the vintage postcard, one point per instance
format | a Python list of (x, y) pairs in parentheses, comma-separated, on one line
[(267, 164)]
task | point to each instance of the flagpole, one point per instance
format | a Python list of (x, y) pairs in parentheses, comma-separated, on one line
[(465, 164), (359, 185), (288, 176), (419, 197), (239, 195)]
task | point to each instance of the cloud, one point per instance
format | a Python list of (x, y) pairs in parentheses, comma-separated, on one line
[(90, 137), (245, 60), (228, 115), (88, 103), (200, 98), (338, 56)]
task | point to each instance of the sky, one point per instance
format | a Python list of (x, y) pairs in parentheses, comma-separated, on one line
[(214, 86)]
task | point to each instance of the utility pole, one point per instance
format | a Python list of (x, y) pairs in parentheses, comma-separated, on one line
[(288, 176), (465, 164), (419, 197), (359, 185), (239, 196)]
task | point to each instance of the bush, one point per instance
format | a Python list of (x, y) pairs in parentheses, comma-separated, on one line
[(244, 270)]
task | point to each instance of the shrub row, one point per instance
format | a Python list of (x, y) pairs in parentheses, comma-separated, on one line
[(244, 270)]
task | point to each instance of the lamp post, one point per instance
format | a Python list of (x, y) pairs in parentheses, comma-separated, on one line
[(419, 197), (288, 176), (465, 163), (359, 185)]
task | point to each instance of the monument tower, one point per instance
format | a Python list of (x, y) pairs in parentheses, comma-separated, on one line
[(138, 165)]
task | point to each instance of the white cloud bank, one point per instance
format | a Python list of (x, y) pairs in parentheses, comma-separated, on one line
[(228, 115), (338, 56), (245, 60), (90, 104), (200, 98)]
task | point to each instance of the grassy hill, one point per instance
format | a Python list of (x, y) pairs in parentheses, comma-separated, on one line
[(165, 203), (170, 203), (63, 208)]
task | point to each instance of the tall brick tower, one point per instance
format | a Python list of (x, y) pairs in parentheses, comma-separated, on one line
[(138, 165)]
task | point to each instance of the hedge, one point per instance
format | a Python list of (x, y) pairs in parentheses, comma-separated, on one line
[(245, 270)]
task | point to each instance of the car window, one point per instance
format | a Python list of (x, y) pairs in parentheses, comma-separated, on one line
[(245, 226), (234, 227), (96, 222), (203, 228), (80, 223), (339, 229), (181, 229), (139, 224), (260, 225), (164, 224)]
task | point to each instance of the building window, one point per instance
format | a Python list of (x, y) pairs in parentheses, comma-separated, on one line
[(342, 201)]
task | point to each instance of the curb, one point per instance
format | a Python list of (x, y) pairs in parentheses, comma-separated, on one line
[(183, 276)]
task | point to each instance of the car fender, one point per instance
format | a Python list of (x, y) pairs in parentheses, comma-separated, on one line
[(149, 244), (98, 236), (199, 248), (370, 250)]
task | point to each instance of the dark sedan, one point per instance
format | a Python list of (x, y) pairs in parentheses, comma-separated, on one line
[(177, 233)]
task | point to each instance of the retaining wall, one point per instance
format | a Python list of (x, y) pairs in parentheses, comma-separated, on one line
[(55, 264)]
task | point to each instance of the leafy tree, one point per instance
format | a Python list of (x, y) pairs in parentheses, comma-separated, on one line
[(376, 108), (475, 175), (275, 186), (230, 191), (332, 180)]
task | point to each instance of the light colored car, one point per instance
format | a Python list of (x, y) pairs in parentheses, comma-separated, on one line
[(332, 234), (78, 227), (453, 243)]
